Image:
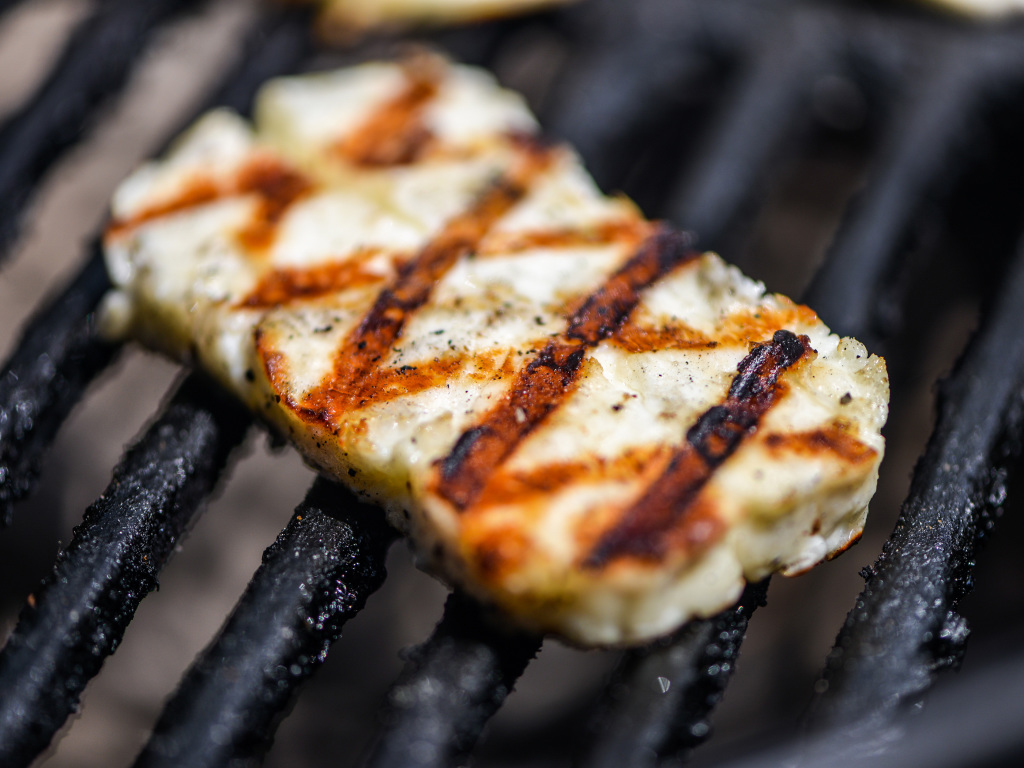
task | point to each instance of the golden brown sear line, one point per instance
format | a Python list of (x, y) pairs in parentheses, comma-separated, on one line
[(833, 439), (663, 512), (520, 487), (396, 134), (545, 382), (199, 191), (276, 185), (740, 328), (284, 286), (356, 364), (627, 232)]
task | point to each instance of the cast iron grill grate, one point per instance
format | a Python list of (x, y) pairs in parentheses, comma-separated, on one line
[(698, 110)]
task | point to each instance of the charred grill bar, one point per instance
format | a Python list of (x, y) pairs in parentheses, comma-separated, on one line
[(451, 686), (93, 66), (230, 701), (80, 613), (57, 357), (315, 577)]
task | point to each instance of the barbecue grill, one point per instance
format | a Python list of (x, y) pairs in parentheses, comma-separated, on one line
[(875, 145)]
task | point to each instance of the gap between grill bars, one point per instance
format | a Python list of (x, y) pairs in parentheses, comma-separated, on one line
[(750, 74)]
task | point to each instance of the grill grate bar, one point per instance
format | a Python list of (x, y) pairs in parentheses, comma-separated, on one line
[(620, 82), (78, 617), (93, 66), (946, 734), (932, 143), (278, 44), (60, 352), (656, 705), (57, 357), (6, 5), (451, 686), (316, 576), (904, 626), (769, 107)]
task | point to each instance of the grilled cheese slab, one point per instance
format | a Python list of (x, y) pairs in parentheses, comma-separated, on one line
[(573, 414)]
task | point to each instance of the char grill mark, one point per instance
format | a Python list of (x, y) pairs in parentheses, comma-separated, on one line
[(833, 439), (358, 378), (740, 328), (669, 508), (396, 134), (285, 286), (630, 232), (545, 382), (276, 185)]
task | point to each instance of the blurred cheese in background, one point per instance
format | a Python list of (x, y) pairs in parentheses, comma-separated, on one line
[(987, 8), (348, 17)]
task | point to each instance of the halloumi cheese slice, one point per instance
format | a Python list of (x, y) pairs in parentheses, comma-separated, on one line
[(573, 414)]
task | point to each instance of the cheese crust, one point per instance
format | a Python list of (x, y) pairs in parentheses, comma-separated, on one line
[(573, 415)]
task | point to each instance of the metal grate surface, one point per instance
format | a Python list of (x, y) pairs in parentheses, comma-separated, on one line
[(870, 145)]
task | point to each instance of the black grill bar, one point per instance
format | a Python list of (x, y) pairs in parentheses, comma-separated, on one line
[(904, 625), (620, 82), (316, 576), (932, 142), (451, 686), (948, 733), (60, 352), (79, 615), (656, 706), (53, 362), (93, 66), (769, 109), (277, 45)]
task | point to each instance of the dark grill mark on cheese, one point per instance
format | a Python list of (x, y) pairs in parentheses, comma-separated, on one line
[(537, 391), (663, 513), (281, 287), (395, 134), (544, 383), (358, 377), (276, 185)]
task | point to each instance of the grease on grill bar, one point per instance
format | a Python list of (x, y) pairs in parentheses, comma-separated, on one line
[(718, 40)]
